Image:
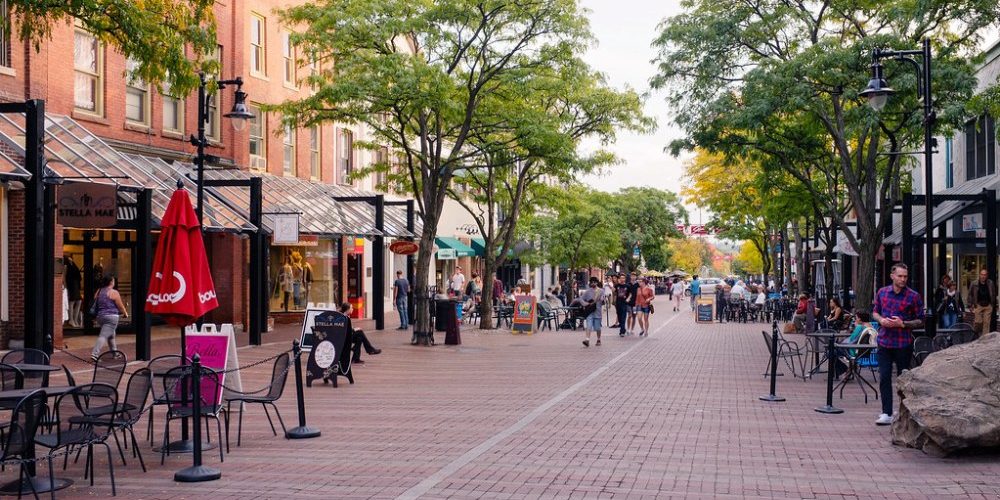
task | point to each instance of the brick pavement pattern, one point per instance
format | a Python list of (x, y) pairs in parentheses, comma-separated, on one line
[(674, 415)]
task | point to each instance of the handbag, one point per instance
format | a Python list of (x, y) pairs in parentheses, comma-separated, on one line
[(93, 306), (651, 310)]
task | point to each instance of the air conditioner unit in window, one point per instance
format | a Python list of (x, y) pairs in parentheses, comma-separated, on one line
[(258, 163)]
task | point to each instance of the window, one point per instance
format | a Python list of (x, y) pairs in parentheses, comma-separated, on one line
[(4, 34), (258, 45), (949, 164), (346, 155), (314, 151), (212, 128), (88, 65), (258, 138), (382, 160), (288, 52), (980, 147), (173, 111), (313, 71), (289, 149), (136, 95)]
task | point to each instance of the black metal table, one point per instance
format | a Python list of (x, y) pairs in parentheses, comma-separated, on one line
[(854, 369), (184, 444), (829, 408), (817, 361), (41, 484)]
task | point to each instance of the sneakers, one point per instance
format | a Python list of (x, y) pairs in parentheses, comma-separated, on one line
[(586, 343), (598, 342), (884, 419)]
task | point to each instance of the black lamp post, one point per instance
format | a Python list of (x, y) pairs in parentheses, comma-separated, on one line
[(239, 115), (878, 92)]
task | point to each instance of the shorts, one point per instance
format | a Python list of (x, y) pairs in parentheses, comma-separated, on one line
[(642, 309), (592, 323), (632, 309)]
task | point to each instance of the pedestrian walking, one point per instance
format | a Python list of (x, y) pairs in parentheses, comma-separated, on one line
[(621, 304), (898, 309), (951, 306), (983, 297), (457, 284), (108, 309), (633, 291), (401, 291), (593, 299), (695, 291), (677, 291), (644, 304)]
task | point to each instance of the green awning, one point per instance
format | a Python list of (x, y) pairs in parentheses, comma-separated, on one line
[(452, 248), (479, 245)]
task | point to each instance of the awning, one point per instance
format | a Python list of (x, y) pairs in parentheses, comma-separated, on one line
[(479, 245), (11, 169), (451, 248), (363, 214), (943, 211)]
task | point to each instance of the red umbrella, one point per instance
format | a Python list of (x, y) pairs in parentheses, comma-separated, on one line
[(181, 288)]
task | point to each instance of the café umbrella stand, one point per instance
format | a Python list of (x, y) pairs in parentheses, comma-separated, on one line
[(197, 472), (774, 367), (303, 431), (829, 408)]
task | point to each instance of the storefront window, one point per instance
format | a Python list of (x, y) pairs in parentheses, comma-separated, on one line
[(303, 274)]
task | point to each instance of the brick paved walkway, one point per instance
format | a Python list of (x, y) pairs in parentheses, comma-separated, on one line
[(675, 415)]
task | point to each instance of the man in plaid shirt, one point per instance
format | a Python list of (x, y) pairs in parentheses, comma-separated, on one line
[(898, 310)]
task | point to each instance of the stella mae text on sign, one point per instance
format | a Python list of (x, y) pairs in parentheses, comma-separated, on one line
[(87, 205)]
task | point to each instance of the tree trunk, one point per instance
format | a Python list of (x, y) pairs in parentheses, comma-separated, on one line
[(864, 289), (486, 304), (786, 255), (422, 324)]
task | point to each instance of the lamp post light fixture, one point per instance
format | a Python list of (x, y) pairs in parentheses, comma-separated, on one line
[(877, 93), (239, 115)]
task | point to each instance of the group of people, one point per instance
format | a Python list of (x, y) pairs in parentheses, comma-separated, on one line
[(632, 299), (982, 300), (755, 294), (295, 278)]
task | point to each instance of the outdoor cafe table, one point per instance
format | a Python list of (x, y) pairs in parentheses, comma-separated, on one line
[(27, 368), (854, 369), (919, 332), (830, 336), (41, 484), (184, 444), (829, 408)]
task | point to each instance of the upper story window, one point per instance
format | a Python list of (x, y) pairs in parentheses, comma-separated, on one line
[(212, 126), (4, 34), (173, 111), (980, 147), (258, 138), (314, 151), (382, 159), (258, 45), (289, 150), (288, 54), (136, 95), (88, 66), (346, 156)]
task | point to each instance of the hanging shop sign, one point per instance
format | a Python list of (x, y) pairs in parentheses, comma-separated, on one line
[(87, 205), (286, 229), (404, 247), (972, 222)]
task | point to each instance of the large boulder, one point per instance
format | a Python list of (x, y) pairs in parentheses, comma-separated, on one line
[(952, 401)]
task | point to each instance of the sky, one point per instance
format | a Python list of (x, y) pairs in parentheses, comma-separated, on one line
[(625, 30)]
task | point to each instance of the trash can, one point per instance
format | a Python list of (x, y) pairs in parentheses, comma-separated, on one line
[(440, 308), (452, 334)]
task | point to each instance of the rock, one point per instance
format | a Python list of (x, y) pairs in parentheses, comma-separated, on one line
[(952, 401)]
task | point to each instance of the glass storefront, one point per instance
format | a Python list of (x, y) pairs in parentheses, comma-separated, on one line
[(94, 254), (304, 273)]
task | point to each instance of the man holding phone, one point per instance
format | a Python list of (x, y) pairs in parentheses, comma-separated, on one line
[(898, 309)]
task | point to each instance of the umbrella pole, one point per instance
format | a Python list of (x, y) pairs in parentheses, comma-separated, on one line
[(185, 444)]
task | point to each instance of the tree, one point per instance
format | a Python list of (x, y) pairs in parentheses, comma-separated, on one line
[(580, 232), (547, 115), (420, 76), (748, 261), (689, 254), (647, 216), (161, 35), (780, 81)]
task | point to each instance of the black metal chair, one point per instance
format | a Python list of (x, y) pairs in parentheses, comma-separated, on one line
[(922, 347), (109, 368), (76, 425), (35, 380), (130, 411), (10, 377), (158, 367), (788, 350), (279, 375), (178, 397), (20, 436)]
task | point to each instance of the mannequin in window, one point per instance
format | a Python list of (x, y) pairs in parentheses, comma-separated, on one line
[(307, 279), (73, 281), (297, 282), (285, 282)]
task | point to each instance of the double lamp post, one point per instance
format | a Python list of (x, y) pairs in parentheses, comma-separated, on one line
[(877, 93)]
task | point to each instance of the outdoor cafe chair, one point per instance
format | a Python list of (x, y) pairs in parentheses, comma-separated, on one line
[(158, 367), (76, 426), (922, 347), (109, 368), (32, 380), (178, 397), (130, 411), (19, 439), (9, 377), (788, 350), (279, 375), (547, 316)]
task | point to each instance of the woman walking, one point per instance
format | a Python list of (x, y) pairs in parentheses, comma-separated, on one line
[(643, 303), (677, 290), (109, 307)]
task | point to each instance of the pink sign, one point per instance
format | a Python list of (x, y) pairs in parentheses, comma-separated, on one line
[(213, 349)]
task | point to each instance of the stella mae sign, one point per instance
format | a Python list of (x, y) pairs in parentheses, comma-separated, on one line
[(87, 205)]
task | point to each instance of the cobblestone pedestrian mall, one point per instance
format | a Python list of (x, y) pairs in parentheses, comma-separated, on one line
[(674, 415)]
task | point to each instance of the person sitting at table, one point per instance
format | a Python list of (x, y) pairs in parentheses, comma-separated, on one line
[(862, 322), (358, 337), (836, 316), (799, 318)]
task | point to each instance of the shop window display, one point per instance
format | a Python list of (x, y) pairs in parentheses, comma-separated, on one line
[(304, 274)]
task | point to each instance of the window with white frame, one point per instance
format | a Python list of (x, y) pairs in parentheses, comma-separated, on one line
[(5, 34), (346, 156), (289, 150), (136, 95), (212, 126), (288, 53), (258, 45), (314, 151), (88, 66), (173, 110), (382, 160), (258, 138)]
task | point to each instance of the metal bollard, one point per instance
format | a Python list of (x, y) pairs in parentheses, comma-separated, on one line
[(774, 367), (197, 472), (830, 355), (303, 431)]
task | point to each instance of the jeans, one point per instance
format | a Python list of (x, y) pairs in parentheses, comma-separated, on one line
[(592, 323), (886, 357), (621, 309), (949, 319), (107, 323), (404, 313)]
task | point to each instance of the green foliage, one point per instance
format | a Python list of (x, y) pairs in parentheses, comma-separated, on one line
[(748, 261), (647, 216), (161, 35), (581, 230)]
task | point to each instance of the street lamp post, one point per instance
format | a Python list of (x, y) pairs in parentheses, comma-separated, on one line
[(878, 92), (239, 116)]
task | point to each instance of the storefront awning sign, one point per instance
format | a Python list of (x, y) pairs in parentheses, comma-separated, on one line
[(286, 229), (404, 247), (446, 254), (88, 205)]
